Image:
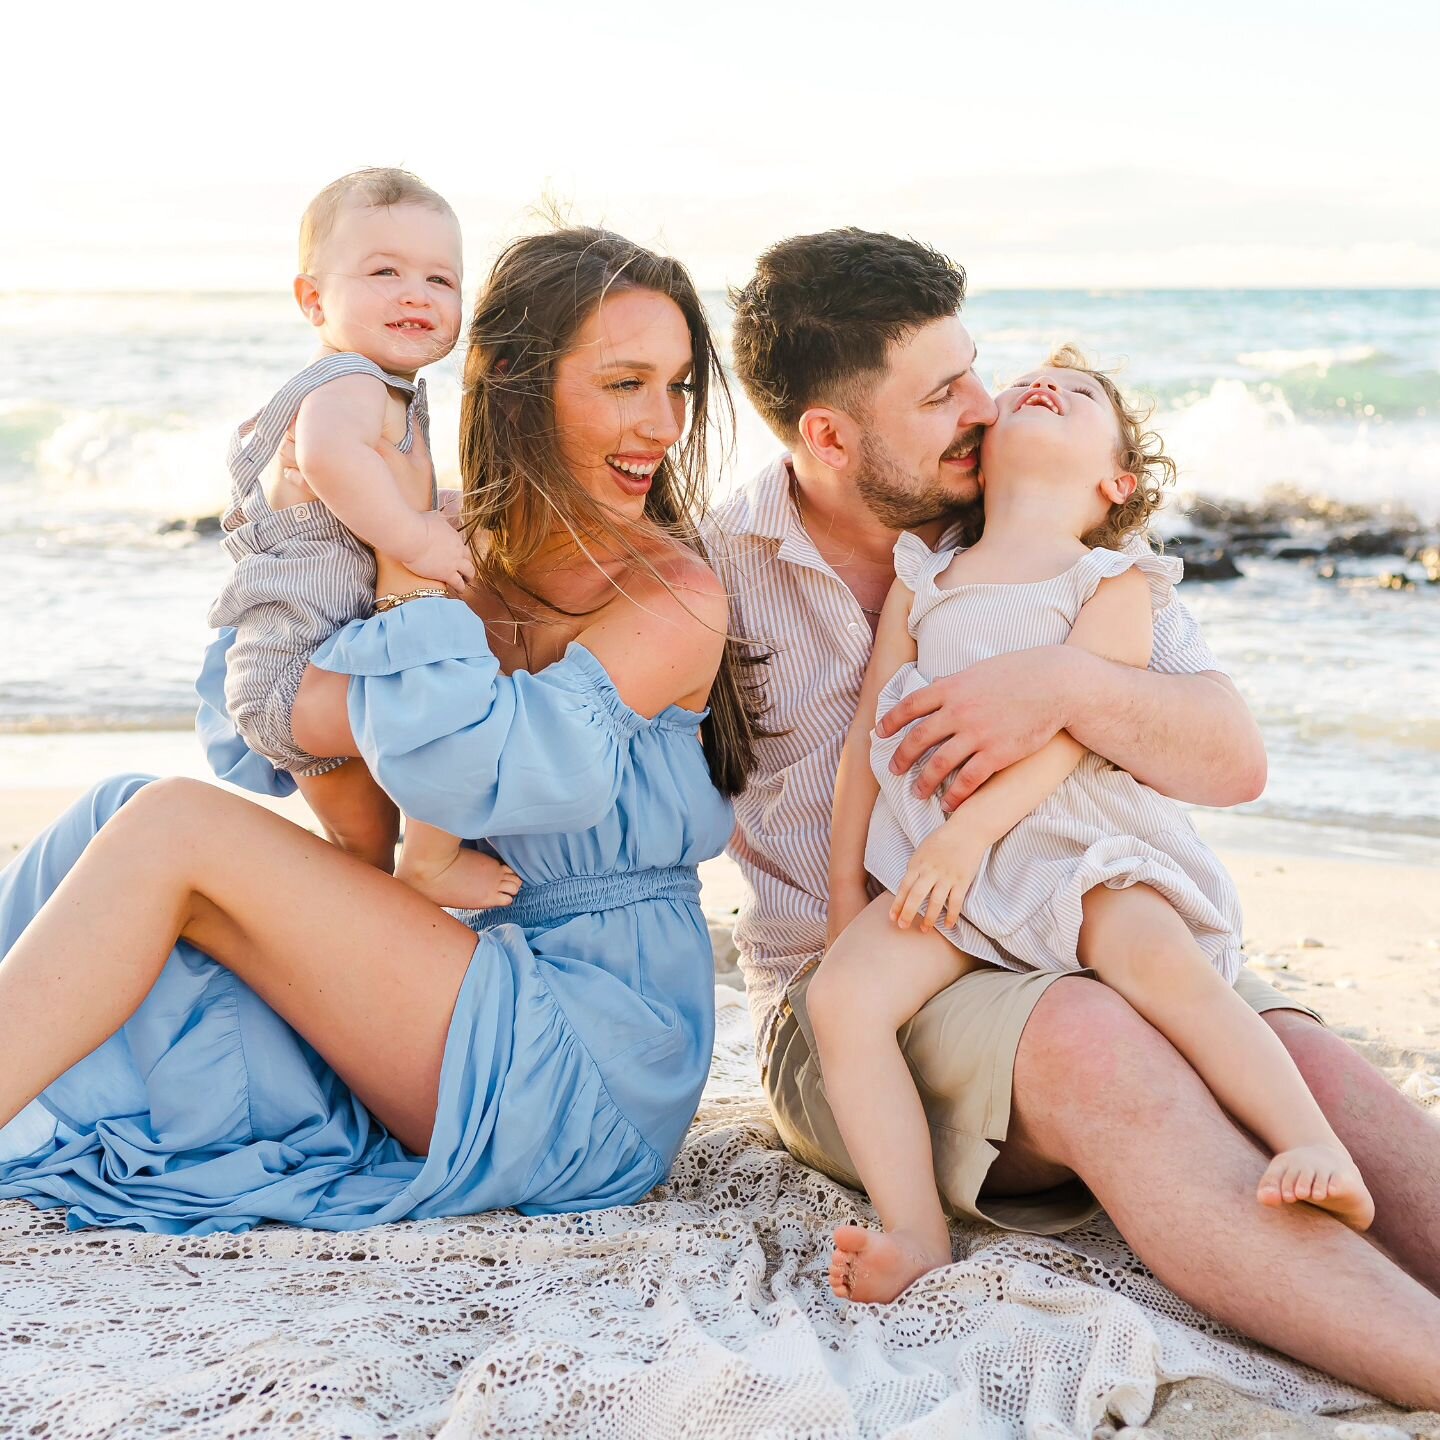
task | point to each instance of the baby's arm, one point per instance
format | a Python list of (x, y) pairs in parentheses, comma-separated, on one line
[(443, 870), (855, 785), (1114, 623), (337, 438)]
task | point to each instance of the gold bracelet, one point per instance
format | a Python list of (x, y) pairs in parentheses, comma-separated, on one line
[(426, 592)]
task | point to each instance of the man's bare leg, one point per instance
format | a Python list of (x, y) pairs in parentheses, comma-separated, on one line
[(1137, 943), (1099, 1093), (1395, 1143)]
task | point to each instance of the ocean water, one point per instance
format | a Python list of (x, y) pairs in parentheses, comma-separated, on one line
[(115, 411)]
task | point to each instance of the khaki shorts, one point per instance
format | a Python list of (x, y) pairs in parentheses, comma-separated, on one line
[(961, 1049)]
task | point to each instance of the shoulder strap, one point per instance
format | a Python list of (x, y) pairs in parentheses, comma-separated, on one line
[(256, 441)]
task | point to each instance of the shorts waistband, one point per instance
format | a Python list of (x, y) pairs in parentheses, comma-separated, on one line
[(551, 901)]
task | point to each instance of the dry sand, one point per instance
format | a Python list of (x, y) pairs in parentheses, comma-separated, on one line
[(1329, 918)]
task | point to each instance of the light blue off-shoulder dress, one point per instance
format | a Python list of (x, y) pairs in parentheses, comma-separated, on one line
[(582, 1034)]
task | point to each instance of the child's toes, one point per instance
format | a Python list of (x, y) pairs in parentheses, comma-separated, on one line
[(1268, 1192), (1304, 1184)]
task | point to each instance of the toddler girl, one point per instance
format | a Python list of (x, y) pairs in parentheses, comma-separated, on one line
[(1060, 861), (380, 256)]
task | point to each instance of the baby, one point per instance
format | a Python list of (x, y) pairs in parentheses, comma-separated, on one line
[(380, 282), (1060, 861)]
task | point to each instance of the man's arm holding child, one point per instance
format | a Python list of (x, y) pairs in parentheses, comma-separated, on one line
[(1189, 736), (1114, 623), (337, 439)]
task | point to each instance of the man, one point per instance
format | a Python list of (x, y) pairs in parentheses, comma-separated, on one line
[(1047, 1095)]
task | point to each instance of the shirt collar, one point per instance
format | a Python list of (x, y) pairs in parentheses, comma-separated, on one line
[(769, 509), (769, 513)]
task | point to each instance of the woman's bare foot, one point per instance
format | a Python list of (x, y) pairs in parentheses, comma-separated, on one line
[(876, 1265), (1322, 1175), (467, 881)]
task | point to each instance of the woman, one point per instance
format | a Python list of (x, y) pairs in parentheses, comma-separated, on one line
[(226, 1020)]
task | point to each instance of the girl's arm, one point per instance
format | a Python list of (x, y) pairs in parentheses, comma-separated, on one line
[(855, 785), (337, 438), (1114, 623)]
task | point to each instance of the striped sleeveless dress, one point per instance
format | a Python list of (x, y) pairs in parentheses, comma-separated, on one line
[(1100, 827), (299, 573)]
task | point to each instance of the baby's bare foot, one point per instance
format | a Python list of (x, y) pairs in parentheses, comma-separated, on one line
[(875, 1265), (470, 881), (1322, 1175)]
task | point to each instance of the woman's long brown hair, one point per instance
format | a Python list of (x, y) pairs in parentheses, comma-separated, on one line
[(517, 486)]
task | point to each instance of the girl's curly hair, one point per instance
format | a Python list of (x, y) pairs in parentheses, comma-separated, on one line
[(1141, 453)]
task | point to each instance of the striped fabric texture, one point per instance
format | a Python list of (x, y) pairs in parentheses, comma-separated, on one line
[(784, 596), (299, 573)]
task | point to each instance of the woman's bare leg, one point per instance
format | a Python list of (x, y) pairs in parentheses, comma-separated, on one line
[(874, 979), (366, 970), (1137, 943)]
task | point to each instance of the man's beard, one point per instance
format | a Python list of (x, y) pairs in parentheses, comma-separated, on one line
[(897, 498)]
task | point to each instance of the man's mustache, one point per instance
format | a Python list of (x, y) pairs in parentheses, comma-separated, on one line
[(967, 444)]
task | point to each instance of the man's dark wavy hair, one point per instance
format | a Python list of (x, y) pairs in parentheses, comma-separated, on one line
[(814, 324)]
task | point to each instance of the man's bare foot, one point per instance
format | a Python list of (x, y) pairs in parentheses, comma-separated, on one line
[(1322, 1175), (876, 1265), (469, 881)]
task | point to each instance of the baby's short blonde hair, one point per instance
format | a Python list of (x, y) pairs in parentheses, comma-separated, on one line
[(378, 185), (1141, 453)]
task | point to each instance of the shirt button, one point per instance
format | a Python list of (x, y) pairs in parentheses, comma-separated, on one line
[(302, 511), (855, 628)]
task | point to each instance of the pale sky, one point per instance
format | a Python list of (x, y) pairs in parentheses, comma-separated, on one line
[(1114, 143)]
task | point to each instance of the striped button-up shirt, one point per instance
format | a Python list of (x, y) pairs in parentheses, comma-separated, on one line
[(784, 596)]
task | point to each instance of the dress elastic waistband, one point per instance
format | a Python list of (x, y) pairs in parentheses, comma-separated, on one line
[(552, 901)]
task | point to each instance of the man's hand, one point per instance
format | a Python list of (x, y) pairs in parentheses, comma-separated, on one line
[(939, 876), (990, 715)]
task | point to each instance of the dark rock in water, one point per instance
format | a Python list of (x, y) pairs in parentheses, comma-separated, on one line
[(1255, 542), (1297, 551), (1213, 564), (1387, 541), (1284, 506), (206, 525)]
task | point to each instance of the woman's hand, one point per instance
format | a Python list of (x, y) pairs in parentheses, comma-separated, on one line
[(443, 556), (940, 874)]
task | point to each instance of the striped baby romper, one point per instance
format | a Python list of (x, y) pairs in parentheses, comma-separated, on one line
[(1101, 827), (299, 573)]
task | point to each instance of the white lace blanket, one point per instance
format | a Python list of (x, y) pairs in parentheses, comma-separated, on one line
[(703, 1311)]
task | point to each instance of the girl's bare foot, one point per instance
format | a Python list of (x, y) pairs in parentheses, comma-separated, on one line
[(875, 1265), (468, 881), (1322, 1175)]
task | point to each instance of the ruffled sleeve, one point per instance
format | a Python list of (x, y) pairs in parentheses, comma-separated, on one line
[(229, 756), (915, 561), (1163, 572), (459, 745)]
